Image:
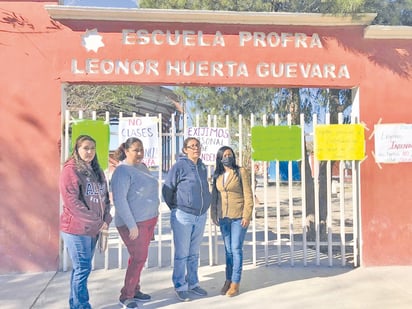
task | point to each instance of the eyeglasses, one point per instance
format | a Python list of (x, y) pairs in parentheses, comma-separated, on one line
[(193, 147)]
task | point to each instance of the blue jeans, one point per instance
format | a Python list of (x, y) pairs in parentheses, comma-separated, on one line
[(233, 235), (187, 236), (81, 250)]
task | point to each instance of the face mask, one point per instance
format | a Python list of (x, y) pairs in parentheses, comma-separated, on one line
[(228, 161)]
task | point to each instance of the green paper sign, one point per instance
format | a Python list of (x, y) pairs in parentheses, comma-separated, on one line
[(100, 132), (282, 143)]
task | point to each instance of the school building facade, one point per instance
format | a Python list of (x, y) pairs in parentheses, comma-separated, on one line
[(44, 46)]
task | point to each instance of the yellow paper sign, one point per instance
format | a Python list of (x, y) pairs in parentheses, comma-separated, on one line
[(339, 142)]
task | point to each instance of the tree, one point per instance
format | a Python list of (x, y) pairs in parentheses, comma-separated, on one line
[(389, 12), (214, 5), (230, 101), (102, 98), (318, 6), (312, 6)]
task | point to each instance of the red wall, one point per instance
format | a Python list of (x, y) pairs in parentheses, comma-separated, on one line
[(36, 54), (386, 199)]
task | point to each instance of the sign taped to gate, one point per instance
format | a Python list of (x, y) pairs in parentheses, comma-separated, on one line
[(211, 140), (145, 129), (393, 143), (100, 132), (340, 142), (272, 143)]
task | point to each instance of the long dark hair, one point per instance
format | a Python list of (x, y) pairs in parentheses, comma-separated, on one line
[(219, 168), (80, 164), (120, 153)]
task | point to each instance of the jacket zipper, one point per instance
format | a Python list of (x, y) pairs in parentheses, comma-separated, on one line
[(227, 196), (201, 188)]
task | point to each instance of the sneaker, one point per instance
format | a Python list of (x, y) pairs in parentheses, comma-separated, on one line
[(142, 296), (198, 291), (183, 295), (128, 303)]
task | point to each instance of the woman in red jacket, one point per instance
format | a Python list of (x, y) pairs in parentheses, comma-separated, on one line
[(86, 212)]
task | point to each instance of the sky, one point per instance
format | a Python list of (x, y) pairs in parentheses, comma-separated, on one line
[(103, 3)]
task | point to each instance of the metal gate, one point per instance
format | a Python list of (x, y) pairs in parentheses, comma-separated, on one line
[(285, 230)]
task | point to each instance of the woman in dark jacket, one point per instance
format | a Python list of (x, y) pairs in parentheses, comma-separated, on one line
[(86, 212), (186, 192)]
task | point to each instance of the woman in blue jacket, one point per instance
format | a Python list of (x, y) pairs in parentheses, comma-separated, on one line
[(186, 192)]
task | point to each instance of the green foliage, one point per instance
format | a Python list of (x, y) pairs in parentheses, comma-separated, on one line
[(308, 6), (390, 12), (230, 101), (102, 98), (317, 6), (214, 5)]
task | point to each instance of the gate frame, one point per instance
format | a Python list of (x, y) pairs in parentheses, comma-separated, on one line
[(211, 232)]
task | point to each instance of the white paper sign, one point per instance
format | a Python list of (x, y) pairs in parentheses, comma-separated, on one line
[(144, 128), (211, 140), (393, 143)]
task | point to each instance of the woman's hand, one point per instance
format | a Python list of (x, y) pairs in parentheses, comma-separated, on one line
[(245, 223), (104, 227), (133, 233)]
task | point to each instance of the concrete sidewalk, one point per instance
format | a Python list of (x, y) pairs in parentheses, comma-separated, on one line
[(261, 287)]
